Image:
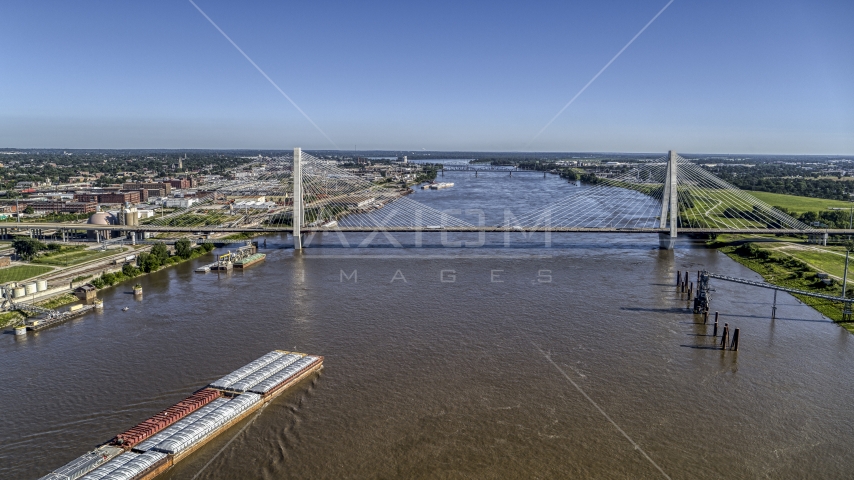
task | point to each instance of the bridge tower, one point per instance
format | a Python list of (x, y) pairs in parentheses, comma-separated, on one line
[(669, 204), (297, 201)]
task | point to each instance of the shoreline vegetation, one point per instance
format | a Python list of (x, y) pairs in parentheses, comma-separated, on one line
[(146, 263), (790, 262)]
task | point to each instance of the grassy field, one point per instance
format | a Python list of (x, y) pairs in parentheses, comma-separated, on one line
[(75, 257), (21, 272), (797, 204), (820, 258), (239, 236), (793, 267)]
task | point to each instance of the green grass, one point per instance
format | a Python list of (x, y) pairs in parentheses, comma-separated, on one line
[(21, 272), (59, 301), (10, 318), (239, 236), (798, 204), (775, 270), (731, 238), (826, 262), (75, 257)]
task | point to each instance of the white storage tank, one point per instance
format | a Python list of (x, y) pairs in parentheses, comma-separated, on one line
[(19, 292), (30, 288), (41, 285)]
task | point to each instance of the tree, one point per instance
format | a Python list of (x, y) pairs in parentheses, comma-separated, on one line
[(27, 247), (29, 210), (183, 248), (148, 262), (161, 252), (129, 270)]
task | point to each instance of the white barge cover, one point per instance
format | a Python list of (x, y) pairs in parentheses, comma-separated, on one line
[(282, 375), (176, 427), (246, 370), (83, 464), (263, 373), (204, 426), (134, 467), (107, 468)]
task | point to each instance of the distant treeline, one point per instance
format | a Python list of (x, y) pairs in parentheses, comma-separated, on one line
[(827, 218), (785, 179)]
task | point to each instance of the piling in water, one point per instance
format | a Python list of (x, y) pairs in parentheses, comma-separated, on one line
[(705, 317), (734, 346), (725, 336), (715, 331), (678, 277)]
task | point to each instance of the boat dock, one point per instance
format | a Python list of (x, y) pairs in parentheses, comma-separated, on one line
[(153, 446), (241, 258), (50, 318)]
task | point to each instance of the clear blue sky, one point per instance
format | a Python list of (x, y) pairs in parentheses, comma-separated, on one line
[(731, 76)]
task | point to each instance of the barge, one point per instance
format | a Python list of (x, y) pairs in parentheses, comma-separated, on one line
[(52, 319), (153, 446), (250, 260), (437, 186)]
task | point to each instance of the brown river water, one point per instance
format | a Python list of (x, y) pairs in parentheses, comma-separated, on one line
[(576, 360)]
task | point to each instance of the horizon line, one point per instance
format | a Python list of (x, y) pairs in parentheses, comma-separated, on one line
[(8, 150)]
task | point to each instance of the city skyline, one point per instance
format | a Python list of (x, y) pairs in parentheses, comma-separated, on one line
[(764, 78)]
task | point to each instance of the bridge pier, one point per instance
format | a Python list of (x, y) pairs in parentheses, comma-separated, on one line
[(297, 215), (669, 204), (817, 238), (666, 241)]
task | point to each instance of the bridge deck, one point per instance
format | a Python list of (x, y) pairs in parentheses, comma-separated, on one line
[(287, 229)]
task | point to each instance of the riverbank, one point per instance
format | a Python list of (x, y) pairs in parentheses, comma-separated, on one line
[(7, 319), (789, 263), (105, 280)]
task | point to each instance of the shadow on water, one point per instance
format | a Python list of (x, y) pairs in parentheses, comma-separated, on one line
[(708, 347), (785, 319), (655, 310)]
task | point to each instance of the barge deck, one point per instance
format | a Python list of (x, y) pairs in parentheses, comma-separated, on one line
[(250, 260), (51, 320), (152, 447)]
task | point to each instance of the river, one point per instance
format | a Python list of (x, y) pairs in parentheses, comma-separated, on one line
[(576, 358)]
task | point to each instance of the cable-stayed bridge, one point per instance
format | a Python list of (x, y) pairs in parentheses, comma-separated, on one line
[(301, 194)]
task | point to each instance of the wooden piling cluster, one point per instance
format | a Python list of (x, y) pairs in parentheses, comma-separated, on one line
[(725, 342), (683, 283)]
